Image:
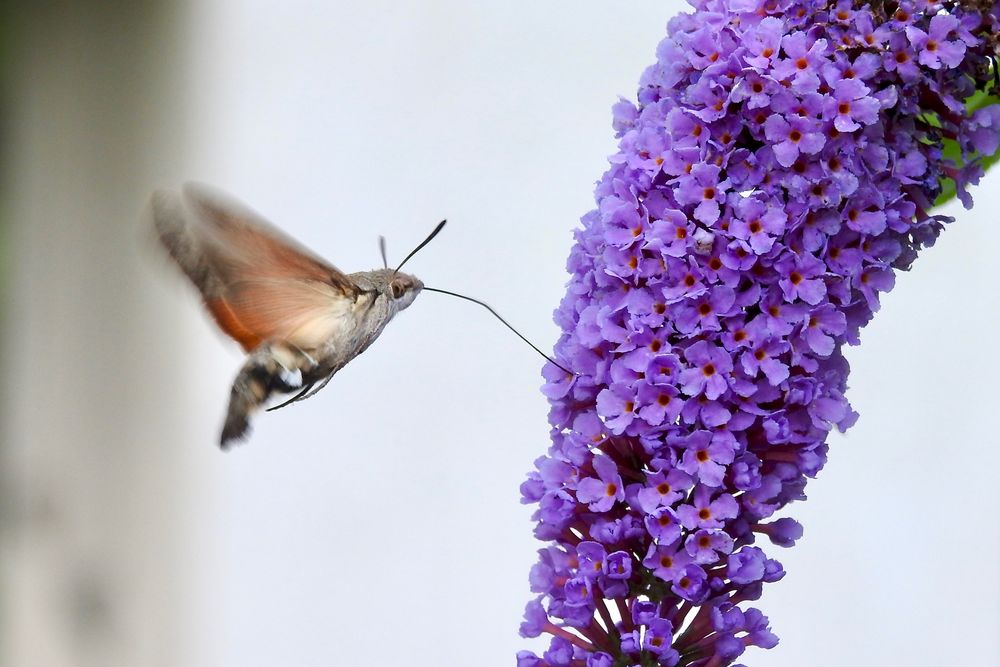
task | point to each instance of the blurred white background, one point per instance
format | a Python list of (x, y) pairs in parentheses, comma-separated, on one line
[(379, 523)]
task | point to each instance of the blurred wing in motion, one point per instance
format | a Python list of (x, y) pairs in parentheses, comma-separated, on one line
[(258, 284)]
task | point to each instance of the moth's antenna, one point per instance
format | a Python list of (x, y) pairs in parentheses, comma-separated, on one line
[(381, 249), (427, 240), (495, 314)]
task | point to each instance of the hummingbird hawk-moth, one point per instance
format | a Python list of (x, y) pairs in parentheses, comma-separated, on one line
[(299, 319)]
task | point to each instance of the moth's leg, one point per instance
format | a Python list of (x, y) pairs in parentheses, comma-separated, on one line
[(270, 368), (296, 362), (322, 384), (308, 391), (309, 365), (294, 399), (310, 360)]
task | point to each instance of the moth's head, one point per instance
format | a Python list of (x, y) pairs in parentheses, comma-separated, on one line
[(403, 289), (400, 289)]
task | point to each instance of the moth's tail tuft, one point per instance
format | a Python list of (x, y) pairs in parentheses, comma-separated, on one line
[(236, 428), (261, 376), (247, 394)]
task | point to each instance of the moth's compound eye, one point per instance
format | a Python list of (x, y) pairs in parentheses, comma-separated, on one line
[(397, 289)]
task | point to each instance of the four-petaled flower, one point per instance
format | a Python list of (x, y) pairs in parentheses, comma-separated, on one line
[(600, 494), (792, 137), (709, 367)]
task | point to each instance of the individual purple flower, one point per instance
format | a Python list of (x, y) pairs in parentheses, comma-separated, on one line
[(862, 68), (707, 413), (617, 404), (793, 136), (765, 357), (660, 403), (851, 106), (758, 631), (822, 327), (535, 619), (763, 43), (746, 566), (934, 48), (528, 659), (865, 212), (783, 532), (981, 135), (872, 281), (665, 561), (710, 99), (663, 525), (900, 58), (600, 659), (590, 559), (560, 653), (691, 584), (801, 278), (578, 591), (663, 487), (704, 512), (706, 456), (703, 313), (669, 233), (658, 641), (707, 546), (870, 34), (756, 91), (806, 57), (757, 223), (601, 493), (728, 648), (618, 565), (709, 366), (703, 189)]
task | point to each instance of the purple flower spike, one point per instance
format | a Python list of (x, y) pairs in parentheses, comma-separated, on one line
[(774, 174)]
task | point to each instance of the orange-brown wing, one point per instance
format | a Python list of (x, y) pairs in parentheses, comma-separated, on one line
[(247, 236), (304, 313), (257, 283)]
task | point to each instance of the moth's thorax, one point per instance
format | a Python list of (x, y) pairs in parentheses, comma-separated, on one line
[(379, 295)]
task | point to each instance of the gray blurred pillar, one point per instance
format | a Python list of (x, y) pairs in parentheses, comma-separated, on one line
[(93, 537)]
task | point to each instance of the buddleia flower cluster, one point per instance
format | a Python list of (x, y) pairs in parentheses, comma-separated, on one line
[(780, 166)]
